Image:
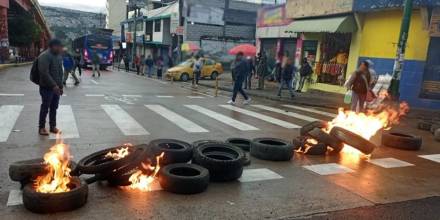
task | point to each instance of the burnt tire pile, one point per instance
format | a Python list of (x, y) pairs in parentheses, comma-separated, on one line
[(314, 140)]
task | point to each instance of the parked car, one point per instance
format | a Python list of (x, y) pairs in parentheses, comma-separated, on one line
[(184, 71)]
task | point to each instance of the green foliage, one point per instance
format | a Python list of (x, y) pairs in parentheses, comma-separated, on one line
[(23, 30)]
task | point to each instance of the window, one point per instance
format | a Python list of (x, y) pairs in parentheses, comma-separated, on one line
[(157, 25), (209, 62)]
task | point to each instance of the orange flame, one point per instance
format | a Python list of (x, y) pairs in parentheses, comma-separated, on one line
[(142, 181), (120, 153), (58, 176)]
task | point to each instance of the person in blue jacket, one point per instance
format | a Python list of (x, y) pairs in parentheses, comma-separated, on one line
[(69, 66)]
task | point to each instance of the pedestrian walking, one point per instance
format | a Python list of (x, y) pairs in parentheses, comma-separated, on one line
[(127, 63), (137, 63), (50, 70), (241, 68), (149, 63), (79, 61), (287, 72), (261, 68), (305, 73), (69, 67), (197, 70), (96, 61), (359, 83), (159, 67), (248, 80)]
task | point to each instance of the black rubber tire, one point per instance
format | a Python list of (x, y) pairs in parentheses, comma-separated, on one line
[(202, 142), (55, 202), (425, 125), (401, 141), (352, 139), (24, 171), (317, 149), (175, 151), (224, 161), (184, 77), (242, 143), (182, 178), (312, 125), (327, 139), (88, 164), (272, 149)]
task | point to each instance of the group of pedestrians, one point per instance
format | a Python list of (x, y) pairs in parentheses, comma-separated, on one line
[(73, 63), (145, 65)]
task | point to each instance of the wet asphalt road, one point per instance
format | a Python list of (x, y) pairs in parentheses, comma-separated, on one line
[(119, 108)]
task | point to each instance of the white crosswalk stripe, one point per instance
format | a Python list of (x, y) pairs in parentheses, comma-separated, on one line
[(266, 118), (222, 118), (8, 116), (165, 96), (311, 110), (66, 123), (291, 114), (127, 124), (178, 120), (11, 95)]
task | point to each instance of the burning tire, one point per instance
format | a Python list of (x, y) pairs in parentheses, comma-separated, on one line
[(401, 141), (175, 151), (352, 139), (99, 163), (184, 178), (308, 127), (24, 171), (272, 149), (244, 144), (224, 161), (202, 142), (56, 202), (317, 149), (327, 139)]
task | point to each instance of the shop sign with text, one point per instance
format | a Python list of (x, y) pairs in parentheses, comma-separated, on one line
[(311, 8)]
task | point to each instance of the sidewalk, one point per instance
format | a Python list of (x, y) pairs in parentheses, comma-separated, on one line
[(310, 98)]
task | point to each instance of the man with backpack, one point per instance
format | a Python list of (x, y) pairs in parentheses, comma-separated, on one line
[(47, 72)]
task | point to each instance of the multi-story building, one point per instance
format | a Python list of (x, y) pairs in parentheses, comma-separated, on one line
[(116, 12)]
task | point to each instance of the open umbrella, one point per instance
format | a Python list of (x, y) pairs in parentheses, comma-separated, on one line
[(190, 47), (247, 49)]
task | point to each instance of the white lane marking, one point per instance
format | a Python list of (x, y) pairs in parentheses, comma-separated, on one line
[(311, 110), (127, 124), (222, 118), (201, 93), (94, 82), (15, 198), (262, 117), (178, 120), (390, 163), (8, 116), (253, 175), (195, 97), (165, 96), (94, 95), (328, 169), (66, 123), (12, 95), (132, 96), (291, 114), (157, 80), (431, 157)]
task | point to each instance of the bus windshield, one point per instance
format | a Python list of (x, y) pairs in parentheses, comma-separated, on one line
[(98, 42)]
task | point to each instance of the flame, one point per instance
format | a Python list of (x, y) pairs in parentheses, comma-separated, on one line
[(308, 143), (58, 176), (142, 181), (120, 153)]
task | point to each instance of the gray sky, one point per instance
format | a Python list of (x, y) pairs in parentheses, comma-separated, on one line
[(83, 5)]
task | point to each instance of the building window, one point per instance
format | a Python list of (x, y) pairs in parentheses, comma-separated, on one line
[(157, 25)]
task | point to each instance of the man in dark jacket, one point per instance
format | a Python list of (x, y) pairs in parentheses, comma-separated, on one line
[(50, 67), (241, 69), (305, 72), (287, 77), (248, 81)]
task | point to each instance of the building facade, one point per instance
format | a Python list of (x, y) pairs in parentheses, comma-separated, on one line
[(116, 12)]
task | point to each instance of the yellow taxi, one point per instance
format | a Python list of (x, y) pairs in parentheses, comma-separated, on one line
[(184, 71)]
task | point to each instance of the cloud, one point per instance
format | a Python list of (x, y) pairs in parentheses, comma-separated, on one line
[(82, 5)]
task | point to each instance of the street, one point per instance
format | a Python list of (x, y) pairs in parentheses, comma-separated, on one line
[(123, 108)]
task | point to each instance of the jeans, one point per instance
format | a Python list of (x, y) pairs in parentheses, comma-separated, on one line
[(138, 69), (49, 104), (238, 88), (95, 68), (149, 71), (248, 82), (66, 76), (77, 66), (196, 78), (288, 83), (301, 83), (358, 99)]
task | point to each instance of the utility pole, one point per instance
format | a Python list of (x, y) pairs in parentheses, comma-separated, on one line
[(401, 47), (133, 49)]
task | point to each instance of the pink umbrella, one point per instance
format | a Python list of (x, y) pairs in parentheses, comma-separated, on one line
[(247, 49)]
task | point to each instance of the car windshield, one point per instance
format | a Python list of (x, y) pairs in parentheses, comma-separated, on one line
[(186, 63)]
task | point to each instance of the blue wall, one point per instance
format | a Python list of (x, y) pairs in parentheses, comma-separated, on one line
[(371, 5), (410, 82)]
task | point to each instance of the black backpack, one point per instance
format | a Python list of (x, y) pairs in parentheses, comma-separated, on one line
[(35, 73)]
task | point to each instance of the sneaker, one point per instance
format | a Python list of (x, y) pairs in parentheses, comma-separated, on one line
[(231, 102), (43, 132), (55, 130), (76, 83), (247, 101)]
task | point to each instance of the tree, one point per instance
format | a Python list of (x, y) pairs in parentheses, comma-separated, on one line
[(23, 31)]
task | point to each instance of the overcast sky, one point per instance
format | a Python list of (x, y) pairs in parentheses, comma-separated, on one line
[(83, 5)]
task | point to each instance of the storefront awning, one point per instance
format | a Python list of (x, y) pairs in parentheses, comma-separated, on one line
[(345, 24)]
